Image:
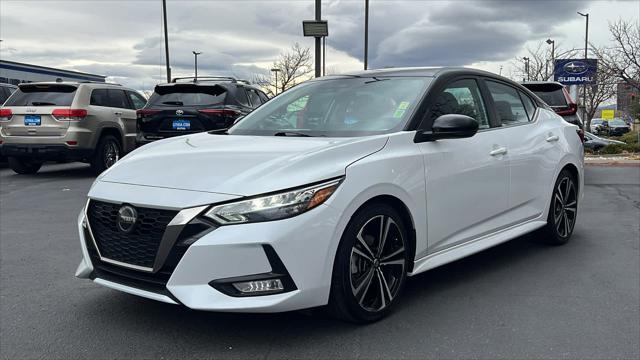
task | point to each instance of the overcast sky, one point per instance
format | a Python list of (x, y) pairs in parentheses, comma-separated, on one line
[(123, 39)]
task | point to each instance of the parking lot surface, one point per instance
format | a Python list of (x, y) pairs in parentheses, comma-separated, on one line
[(517, 300)]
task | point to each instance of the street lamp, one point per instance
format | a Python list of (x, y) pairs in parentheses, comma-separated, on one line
[(318, 29), (586, 47), (526, 66), (276, 70), (366, 33), (195, 54), (553, 55)]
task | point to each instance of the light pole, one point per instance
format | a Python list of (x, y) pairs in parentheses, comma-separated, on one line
[(553, 55), (275, 70), (195, 54), (586, 47), (166, 39), (526, 67), (366, 33)]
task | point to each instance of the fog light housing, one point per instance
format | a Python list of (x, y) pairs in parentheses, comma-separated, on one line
[(259, 286)]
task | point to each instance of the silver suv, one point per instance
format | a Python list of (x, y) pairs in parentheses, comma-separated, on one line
[(68, 121)]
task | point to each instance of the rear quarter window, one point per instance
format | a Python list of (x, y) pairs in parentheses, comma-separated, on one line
[(43, 95)]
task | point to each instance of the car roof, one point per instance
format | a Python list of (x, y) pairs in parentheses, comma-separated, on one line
[(430, 71)]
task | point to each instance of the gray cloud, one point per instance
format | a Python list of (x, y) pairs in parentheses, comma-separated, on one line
[(123, 39)]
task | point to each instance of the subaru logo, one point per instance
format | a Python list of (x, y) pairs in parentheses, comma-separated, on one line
[(127, 217), (575, 67), (179, 112)]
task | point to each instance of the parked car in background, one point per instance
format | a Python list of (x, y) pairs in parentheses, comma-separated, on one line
[(618, 127), (334, 193), (596, 143), (556, 96), (184, 107), (5, 91), (92, 122), (596, 125)]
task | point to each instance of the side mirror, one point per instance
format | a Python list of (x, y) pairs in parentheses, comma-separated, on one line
[(450, 126)]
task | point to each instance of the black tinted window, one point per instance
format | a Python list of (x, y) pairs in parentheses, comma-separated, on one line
[(264, 97), (552, 98), (4, 94), (117, 99), (241, 96), (43, 95), (99, 97), (255, 99), (188, 95)]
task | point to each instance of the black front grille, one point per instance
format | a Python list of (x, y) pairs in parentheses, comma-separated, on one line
[(138, 247)]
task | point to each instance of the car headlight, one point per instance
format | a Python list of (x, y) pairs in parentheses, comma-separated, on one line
[(273, 207)]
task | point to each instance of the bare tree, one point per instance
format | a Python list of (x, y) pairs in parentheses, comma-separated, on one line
[(603, 90), (540, 63), (295, 66), (624, 57)]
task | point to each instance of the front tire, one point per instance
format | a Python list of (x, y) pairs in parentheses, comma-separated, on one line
[(370, 267), (563, 210), (107, 153), (24, 166)]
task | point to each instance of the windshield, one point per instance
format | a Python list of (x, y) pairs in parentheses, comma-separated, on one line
[(42, 95), (617, 122), (338, 107), (188, 95), (596, 122)]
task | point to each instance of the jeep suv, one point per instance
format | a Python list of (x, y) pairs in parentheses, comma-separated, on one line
[(187, 105), (5, 91), (68, 121)]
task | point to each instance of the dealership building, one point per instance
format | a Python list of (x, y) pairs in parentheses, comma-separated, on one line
[(16, 73)]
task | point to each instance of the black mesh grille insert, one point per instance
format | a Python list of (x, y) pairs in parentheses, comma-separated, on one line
[(138, 247)]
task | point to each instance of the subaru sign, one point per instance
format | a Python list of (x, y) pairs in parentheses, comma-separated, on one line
[(575, 71)]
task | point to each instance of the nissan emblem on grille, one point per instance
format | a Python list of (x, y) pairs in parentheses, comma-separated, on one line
[(127, 217)]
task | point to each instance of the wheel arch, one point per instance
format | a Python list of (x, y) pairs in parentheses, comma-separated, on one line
[(401, 207)]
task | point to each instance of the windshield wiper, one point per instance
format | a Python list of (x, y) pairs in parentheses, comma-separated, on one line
[(292, 133), (41, 103), (177, 103)]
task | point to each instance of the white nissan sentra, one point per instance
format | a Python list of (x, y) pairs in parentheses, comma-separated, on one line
[(334, 193)]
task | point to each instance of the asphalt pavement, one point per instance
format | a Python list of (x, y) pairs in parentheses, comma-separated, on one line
[(520, 300)]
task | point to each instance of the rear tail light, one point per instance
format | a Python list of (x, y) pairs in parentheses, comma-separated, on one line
[(223, 112), (580, 135), (572, 110), (5, 114), (146, 112), (69, 114), (572, 106)]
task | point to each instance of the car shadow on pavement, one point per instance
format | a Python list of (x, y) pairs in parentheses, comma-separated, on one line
[(422, 294), (55, 171)]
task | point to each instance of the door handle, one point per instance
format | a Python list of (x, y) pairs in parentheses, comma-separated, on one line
[(552, 138), (498, 151), (117, 113)]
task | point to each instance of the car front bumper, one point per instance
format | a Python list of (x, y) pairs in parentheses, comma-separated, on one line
[(305, 245)]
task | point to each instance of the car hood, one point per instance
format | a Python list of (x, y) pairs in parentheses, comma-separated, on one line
[(240, 165)]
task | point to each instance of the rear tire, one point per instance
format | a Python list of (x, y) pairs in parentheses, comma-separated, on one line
[(368, 278), (107, 153), (24, 166), (563, 210)]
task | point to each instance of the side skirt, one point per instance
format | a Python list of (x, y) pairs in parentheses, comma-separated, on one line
[(469, 248)]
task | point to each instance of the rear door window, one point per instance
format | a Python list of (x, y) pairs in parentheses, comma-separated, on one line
[(188, 95), (99, 97), (43, 95), (118, 99), (508, 104)]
